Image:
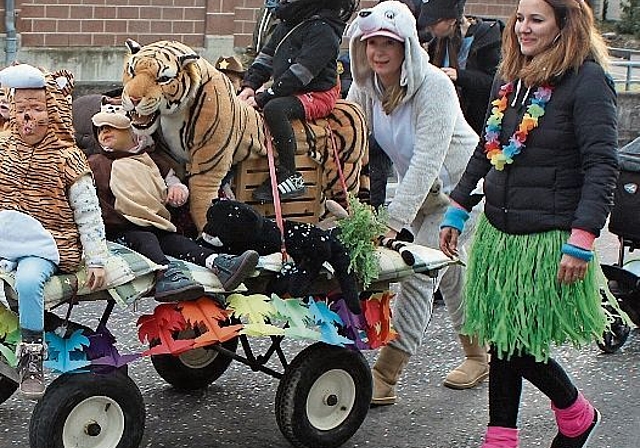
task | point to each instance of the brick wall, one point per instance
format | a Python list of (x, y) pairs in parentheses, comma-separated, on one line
[(492, 8), (108, 23)]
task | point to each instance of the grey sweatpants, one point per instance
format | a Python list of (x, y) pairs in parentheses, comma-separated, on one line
[(413, 305)]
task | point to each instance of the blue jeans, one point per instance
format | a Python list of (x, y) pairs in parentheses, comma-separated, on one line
[(31, 275)]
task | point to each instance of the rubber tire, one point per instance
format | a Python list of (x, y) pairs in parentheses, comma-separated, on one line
[(88, 392), (314, 366), (614, 339), (177, 371), (7, 388)]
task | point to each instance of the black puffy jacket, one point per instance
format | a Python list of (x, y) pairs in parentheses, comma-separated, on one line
[(565, 176)]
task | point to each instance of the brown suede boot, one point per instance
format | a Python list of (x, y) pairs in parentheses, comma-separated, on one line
[(386, 371), (473, 370)]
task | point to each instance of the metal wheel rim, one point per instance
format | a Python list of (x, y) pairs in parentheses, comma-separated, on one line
[(97, 413), (331, 399), (198, 358)]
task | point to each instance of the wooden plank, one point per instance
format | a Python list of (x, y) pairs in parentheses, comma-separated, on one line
[(307, 208)]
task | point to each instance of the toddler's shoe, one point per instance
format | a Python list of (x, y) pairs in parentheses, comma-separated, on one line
[(173, 285), (231, 270), (31, 356)]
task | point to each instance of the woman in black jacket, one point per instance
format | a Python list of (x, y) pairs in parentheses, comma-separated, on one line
[(468, 51), (549, 164)]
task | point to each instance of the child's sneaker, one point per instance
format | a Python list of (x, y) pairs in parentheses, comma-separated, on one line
[(289, 187), (174, 285), (31, 369), (581, 441), (231, 270)]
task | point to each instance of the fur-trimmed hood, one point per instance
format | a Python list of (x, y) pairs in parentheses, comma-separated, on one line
[(396, 17)]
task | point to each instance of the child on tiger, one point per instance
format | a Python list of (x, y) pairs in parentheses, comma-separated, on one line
[(134, 187), (49, 211), (301, 57)]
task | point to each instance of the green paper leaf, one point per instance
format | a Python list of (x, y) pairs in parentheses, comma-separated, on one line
[(293, 311), (256, 307), (9, 354), (8, 321), (303, 333), (262, 329)]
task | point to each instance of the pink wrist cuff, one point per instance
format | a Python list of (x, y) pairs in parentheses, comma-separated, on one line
[(582, 239)]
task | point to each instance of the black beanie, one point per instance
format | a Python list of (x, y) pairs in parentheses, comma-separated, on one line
[(432, 11)]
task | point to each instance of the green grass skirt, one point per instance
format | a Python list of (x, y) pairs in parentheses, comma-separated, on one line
[(514, 301)]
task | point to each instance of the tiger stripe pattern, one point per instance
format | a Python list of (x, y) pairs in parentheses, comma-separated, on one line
[(169, 88), (44, 172)]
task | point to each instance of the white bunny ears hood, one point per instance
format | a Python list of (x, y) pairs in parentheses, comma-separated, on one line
[(396, 18)]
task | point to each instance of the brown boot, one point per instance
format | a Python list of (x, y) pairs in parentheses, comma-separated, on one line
[(386, 371), (473, 370)]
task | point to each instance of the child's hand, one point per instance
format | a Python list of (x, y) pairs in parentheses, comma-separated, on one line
[(96, 277), (246, 94), (177, 195)]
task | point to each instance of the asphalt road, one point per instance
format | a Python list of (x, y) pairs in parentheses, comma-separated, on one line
[(238, 410)]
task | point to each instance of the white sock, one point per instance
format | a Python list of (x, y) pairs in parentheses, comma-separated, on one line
[(209, 261)]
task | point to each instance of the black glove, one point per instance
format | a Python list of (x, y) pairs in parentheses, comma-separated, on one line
[(264, 97)]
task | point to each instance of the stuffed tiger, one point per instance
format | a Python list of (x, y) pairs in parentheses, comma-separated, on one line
[(168, 88)]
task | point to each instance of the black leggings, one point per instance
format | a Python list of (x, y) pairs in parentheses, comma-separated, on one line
[(156, 244), (278, 114), (505, 386)]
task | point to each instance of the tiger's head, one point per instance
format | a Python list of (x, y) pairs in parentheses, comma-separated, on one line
[(161, 78)]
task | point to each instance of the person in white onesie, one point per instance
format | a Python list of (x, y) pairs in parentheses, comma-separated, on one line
[(413, 111)]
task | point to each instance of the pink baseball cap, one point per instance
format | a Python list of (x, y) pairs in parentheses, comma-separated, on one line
[(382, 32)]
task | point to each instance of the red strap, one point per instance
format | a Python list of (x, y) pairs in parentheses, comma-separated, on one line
[(276, 194), (336, 156)]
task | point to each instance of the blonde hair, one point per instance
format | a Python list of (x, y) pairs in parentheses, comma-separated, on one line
[(392, 97), (578, 41)]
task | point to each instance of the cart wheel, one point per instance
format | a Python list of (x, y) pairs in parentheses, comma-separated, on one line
[(615, 338), (89, 410), (324, 396), (195, 369), (7, 388)]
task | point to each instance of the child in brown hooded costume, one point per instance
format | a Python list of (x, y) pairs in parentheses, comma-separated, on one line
[(134, 187)]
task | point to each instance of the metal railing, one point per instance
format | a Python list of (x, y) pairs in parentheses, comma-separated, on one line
[(625, 67)]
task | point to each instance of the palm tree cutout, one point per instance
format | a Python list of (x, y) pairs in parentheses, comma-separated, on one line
[(377, 312), (67, 354), (206, 314), (158, 328)]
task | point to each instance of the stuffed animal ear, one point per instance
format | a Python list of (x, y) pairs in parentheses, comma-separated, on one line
[(336, 213)]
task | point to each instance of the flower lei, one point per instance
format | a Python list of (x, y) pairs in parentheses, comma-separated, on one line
[(500, 156)]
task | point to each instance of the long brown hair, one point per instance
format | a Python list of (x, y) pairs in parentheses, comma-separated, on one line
[(450, 45), (579, 40)]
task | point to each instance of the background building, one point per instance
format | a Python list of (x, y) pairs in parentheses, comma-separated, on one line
[(87, 36)]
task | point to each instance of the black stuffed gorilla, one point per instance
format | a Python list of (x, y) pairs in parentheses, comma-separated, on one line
[(234, 227)]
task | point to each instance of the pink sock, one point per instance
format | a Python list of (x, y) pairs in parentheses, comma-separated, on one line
[(575, 419), (500, 437)]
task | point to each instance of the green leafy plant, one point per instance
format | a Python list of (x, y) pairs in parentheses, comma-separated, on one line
[(358, 233)]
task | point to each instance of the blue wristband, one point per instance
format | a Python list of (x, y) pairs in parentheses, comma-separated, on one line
[(454, 217), (577, 252)]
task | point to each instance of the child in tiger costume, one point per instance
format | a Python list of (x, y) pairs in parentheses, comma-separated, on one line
[(301, 57), (49, 211)]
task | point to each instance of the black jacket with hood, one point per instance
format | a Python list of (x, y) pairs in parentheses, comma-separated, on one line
[(474, 81), (301, 56)]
